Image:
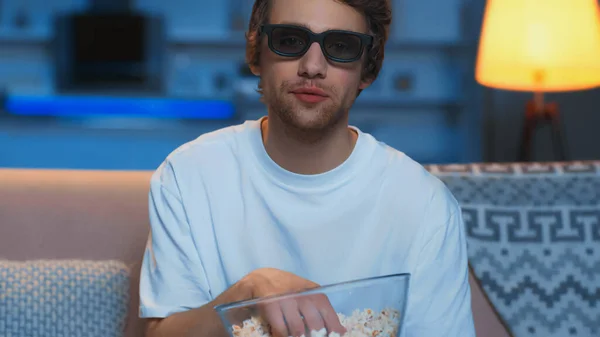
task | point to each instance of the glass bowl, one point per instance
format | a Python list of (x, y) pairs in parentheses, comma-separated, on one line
[(360, 308)]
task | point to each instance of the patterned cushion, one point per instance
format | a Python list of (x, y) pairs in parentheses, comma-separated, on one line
[(534, 242), (65, 298)]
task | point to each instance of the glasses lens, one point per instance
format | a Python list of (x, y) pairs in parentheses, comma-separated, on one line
[(289, 40), (343, 45)]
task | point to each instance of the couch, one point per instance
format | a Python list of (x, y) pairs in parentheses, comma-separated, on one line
[(533, 234), (102, 216)]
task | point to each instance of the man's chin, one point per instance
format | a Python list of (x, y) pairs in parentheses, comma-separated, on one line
[(309, 118), (313, 117), (314, 126)]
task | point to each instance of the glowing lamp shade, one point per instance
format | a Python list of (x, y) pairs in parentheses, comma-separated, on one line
[(540, 45)]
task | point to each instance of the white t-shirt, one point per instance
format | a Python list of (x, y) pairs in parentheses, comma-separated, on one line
[(220, 207)]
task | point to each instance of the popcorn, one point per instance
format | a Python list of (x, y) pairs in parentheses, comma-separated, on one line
[(253, 327), (366, 323)]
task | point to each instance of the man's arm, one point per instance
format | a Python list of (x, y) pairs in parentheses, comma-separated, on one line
[(440, 302), (200, 322), (173, 279)]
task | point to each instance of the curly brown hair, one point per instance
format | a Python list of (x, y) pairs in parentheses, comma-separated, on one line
[(378, 14)]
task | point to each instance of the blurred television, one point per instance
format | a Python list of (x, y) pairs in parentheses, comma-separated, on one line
[(111, 53)]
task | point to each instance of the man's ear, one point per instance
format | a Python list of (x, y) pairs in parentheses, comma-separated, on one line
[(255, 69), (365, 83)]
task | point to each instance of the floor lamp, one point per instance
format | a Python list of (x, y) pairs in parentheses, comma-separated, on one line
[(540, 47)]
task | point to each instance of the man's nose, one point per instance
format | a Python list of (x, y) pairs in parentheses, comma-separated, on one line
[(313, 64)]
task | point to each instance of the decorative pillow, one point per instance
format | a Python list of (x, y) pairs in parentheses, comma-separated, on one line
[(66, 298), (540, 267), (533, 234)]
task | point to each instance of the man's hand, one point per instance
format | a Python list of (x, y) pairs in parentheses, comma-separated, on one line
[(296, 316)]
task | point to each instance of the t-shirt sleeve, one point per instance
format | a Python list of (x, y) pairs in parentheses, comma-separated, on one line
[(440, 296), (172, 276)]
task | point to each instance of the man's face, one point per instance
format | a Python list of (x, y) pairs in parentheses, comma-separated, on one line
[(283, 77)]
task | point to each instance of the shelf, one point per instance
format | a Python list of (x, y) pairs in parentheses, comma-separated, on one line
[(375, 104), (82, 106), (24, 40), (239, 41), (406, 104), (231, 41)]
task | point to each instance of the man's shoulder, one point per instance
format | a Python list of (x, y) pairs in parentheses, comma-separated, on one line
[(402, 168), (418, 192), (408, 176), (211, 142), (209, 151)]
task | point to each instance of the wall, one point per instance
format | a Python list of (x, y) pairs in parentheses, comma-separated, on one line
[(425, 102), (580, 117)]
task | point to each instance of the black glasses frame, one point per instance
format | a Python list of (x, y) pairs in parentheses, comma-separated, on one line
[(365, 40)]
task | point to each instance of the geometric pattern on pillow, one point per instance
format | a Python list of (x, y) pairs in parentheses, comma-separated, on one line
[(533, 233), (560, 184), (66, 298)]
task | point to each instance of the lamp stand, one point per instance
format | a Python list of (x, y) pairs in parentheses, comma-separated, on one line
[(539, 113)]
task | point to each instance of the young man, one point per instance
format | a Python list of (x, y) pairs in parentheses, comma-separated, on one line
[(299, 198)]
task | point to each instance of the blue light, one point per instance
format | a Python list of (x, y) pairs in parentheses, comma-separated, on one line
[(96, 106)]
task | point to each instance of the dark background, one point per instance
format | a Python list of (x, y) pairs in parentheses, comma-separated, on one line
[(172, 70)]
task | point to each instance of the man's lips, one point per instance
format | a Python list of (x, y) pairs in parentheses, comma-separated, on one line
[(310, 91), (310, 95)]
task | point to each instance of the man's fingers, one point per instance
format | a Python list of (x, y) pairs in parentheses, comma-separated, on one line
[(274, 317), (328, 314), (311, 314), (294, 321)]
